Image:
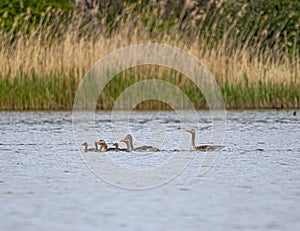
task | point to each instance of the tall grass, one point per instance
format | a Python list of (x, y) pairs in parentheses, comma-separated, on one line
[(42, 68)]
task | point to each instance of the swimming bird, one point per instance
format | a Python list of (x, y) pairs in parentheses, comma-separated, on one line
[(129, 143), (86, 149), (104, 148), (119, 149), (193, 147)]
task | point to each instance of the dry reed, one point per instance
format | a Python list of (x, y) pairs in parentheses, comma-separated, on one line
[(41, 69)]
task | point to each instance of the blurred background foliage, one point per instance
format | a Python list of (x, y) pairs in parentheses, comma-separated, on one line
[(277, 21), (15, 12)]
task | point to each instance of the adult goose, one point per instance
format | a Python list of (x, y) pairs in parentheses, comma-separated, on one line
[(128, 141), (193, 147)]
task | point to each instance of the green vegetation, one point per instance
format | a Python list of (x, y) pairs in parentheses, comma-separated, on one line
[(22, 15), (25, 93), (30, 93), (252, 49)]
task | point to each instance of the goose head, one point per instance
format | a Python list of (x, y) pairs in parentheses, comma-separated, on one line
[(192, 131), (116, 145), (127, 139), (101, 142), (85, 144)]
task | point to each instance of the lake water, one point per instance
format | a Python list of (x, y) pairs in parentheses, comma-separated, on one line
[(254, 184)]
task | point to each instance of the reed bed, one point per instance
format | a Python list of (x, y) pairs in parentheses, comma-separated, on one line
[(42, 68)]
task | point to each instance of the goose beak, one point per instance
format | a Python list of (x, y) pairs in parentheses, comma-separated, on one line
[(188, 131)]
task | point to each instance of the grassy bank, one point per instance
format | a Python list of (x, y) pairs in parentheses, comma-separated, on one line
[(55, 92), (42, 68)]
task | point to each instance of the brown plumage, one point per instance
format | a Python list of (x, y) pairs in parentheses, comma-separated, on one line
[(129, 143), (86, 149), (193, 147)]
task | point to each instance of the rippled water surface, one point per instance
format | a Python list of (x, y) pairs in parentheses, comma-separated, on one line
[(45, 183)]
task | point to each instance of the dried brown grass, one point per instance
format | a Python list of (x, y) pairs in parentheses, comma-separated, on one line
[(65, 50)]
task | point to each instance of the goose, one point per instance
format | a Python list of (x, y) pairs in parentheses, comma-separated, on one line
[(104, 148), (129, 143), (119, 149), (193, 147), (86, 149)]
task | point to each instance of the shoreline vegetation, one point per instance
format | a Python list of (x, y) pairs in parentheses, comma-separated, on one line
[(254, 58)]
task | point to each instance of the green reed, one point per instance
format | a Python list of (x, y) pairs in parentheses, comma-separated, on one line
[(35, 93), (54, 92)]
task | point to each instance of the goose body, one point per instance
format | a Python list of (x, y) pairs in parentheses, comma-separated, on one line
[(193, 147), (129, 143)]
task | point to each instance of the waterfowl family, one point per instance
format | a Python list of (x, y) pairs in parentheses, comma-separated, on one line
[(202, 147), (145, 148), (129, 143), (86, 149)]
